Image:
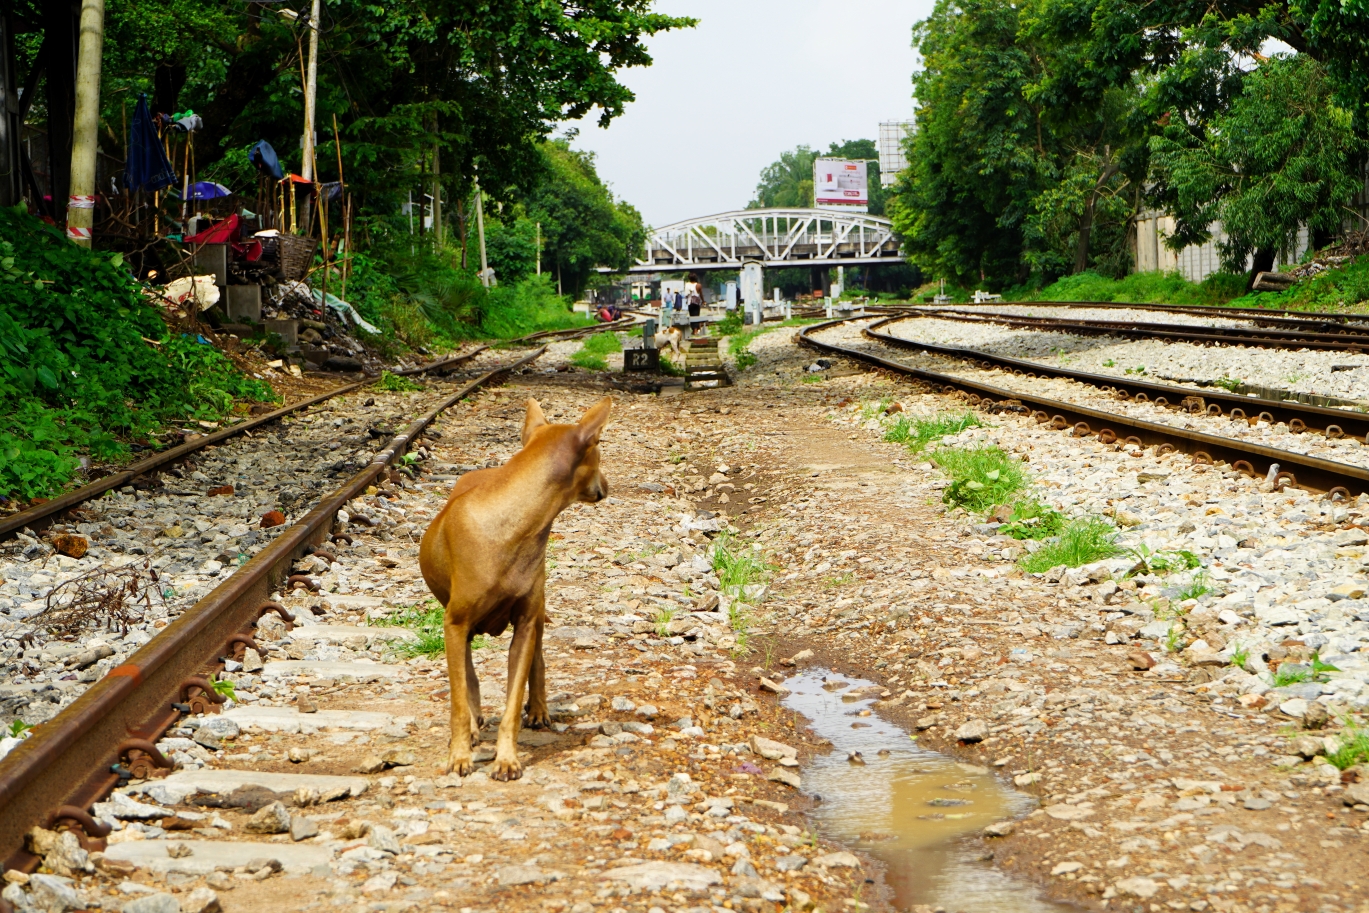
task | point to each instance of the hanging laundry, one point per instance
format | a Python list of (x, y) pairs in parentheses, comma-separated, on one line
[(266, 160), (187, 123), (147, 167)]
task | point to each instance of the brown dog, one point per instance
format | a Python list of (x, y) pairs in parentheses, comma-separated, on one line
[(484, 558)]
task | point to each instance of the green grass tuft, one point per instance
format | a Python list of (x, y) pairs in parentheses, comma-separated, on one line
[(395, 383), (1354, 747), (1082, 542), (592, 354), (917, 433), (737, 567), (1031, 519), (981, 477)]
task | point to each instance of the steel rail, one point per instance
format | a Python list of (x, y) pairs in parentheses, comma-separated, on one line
[(68, 761), (1292, 327), (1257, 315), (1215, 401), (1254, 459), (1167, 332)]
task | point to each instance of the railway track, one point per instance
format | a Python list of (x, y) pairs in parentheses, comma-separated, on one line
[(1349, 338), (33, 517), (1326, 322), (109, 732), (1287, 467)]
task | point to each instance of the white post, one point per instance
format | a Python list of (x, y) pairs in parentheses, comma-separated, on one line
[(480, 229), (310, 94), (539, 248)]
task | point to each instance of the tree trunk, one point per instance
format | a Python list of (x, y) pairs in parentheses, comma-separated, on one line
[(1081, 248), (1262, 262)]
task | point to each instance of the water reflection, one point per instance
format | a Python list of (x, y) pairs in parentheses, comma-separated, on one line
[(905, 805)]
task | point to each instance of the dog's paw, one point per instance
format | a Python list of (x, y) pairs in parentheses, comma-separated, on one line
[(539, 719), (462, 767), (506, 770)]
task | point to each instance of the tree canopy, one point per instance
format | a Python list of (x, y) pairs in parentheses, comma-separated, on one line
[(788, 182)]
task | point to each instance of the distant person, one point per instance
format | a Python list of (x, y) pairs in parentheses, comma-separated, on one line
[(695, 292)]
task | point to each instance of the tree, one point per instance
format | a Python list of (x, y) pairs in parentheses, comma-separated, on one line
[(788, 183), (1279, 160)]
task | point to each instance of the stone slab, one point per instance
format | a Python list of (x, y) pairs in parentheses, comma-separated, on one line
[(174, 789), (331, 669), (288, 719), (338, 634), (206, 855), (354, 601)]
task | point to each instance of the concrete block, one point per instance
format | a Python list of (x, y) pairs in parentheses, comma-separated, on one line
[(287, 330), (212, 259), (244, 303)]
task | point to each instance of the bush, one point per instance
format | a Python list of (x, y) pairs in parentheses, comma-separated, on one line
[(1082, 542), (981, 477), (87, 364), (1144, 288)]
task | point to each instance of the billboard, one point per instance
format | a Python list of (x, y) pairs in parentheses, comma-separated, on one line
[(839, 182), (892, 159)]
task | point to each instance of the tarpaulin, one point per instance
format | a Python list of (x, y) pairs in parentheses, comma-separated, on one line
[(266, 160), (224, 231), (147, 167)]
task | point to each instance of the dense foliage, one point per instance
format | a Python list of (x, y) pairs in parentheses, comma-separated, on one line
[(86, 363), (1046, 127)]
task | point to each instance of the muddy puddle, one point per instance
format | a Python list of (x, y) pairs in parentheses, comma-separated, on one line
[(907, 806)]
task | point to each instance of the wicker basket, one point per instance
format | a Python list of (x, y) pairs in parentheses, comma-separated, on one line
[(296, 255)]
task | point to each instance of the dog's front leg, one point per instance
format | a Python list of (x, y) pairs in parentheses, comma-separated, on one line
[(506, 766), (538, 717), (459, 669)]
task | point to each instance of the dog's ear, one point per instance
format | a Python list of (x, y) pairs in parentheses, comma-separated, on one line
[(532, 421), (593, 421)]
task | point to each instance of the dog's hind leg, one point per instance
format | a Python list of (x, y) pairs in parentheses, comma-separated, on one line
[(538, 717), (460, 672)]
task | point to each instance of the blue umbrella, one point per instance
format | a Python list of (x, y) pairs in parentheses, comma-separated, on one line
[(147, 167), (208, 190)]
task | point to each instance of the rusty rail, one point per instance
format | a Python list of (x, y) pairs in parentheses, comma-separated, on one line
[(69, 760), (1215, 401), (1082, 421)]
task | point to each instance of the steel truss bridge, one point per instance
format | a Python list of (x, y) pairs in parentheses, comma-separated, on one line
[(772, 237)]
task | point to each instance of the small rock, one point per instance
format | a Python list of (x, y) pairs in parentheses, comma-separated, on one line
[(370, 765), (1028, 779), (1066, 868), (791, 863), (1256, 804), (1354, 589), (399, 757), (271, 819), (623, 704), (306, 704), (71, 545), (1143, 888), (798, 658), (153, 903), (220, 881), (383, 839), (785, 776), (251, 661), (302, 828), (200, 900), (511, 875), (1308, 746), (179, 850), (1316, 716), (1356, 793), (1141, 660), (856, 757), (647, 711), (773, 687), (53, 894), (772, 750), (841, 860), (972, 731), (272, 518), (999, 829), (297, 755)]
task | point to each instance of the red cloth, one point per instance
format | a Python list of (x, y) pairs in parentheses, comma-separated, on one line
[(222, 232)]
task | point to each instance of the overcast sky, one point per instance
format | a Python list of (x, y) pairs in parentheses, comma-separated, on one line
[(754, 78)]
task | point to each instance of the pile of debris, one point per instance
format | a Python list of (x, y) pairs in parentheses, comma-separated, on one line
[(1353, 244)]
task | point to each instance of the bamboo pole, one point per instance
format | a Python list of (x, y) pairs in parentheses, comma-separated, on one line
[(81, 203)]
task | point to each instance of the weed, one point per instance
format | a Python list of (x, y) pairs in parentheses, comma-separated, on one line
[(1030, 519), (1164, 561), (1240, 655), (677, 458), (1354, 747), (813, 378), (669, 368), (1227, 383), (1197, 588), (482, 642), (1284, 676), (663, 618), (17, 728), (917, 433), (426, 621), (981, 477), (395, 383), (1139, 369), (730, 324), (875, 409), (1082, 542), (592, 355), (224, 688), (1110, 363), (833, 582), (1174, 639), (737, 568)]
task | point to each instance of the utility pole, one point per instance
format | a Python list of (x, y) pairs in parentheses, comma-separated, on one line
[(310, 97), (480, 230), (539, 248), (81, 203)]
